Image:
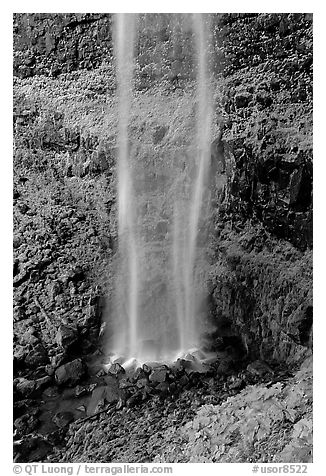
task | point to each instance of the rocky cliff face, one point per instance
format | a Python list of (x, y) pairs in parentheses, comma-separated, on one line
[(268, 127), (262, 287)]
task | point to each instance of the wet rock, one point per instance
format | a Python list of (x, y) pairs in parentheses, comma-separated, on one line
[(162, 229), (158, 375), (177, 367), (183, 381), (109, 393), (141, 383), (117, 369), (70, 373), (190, 366), (63, 419), (97, 401), (112, 392), (147, 369), (139, 374)]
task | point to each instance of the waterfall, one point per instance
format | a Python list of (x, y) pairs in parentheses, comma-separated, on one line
[(157, 296), (126, 326), (185, 247)]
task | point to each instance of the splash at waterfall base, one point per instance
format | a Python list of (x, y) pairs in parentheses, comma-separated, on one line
[(195, 359), (126, 383)]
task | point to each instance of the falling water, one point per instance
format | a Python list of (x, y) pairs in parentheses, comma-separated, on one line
[(128, 331), (203, 155), (164, 325), (186, 246)]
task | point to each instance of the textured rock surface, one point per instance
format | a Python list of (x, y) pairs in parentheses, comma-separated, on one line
[(70, 373), (51, 44), (268, 123), (261, 290)]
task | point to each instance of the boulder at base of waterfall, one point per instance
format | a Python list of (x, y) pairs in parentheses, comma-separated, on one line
[(158, 374), (108, 393), (70, 373), (117, 369)]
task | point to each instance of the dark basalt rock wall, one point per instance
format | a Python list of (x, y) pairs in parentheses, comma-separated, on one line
[(268, 120), (262, 277)]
